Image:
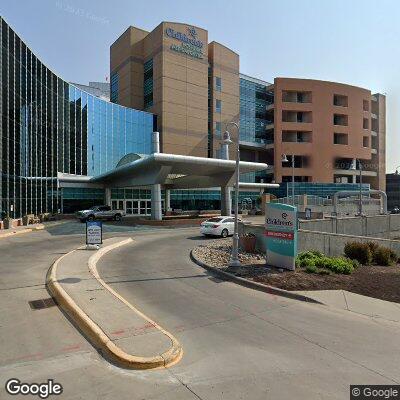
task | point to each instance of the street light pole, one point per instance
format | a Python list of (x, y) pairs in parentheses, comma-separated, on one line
[(360, 207), (285, 159), (293, 180), (234, 263)]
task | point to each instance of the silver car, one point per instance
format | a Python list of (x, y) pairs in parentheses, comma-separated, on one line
[(100, 212)]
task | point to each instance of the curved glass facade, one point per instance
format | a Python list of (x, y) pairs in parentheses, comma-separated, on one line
[(48, 126)]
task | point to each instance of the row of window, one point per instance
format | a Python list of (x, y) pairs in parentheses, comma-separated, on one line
[(292, 96), (48, 126)]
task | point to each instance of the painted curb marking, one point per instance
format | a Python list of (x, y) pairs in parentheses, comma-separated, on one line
[(94, 333)]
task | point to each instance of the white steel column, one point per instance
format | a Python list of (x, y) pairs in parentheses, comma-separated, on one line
[(167, 200), (108, 196), (226, 199), (156, 205)]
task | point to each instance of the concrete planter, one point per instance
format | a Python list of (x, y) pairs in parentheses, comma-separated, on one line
[(8, 223), (248, 243)]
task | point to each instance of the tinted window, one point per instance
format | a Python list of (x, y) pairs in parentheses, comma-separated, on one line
[(214, 220)]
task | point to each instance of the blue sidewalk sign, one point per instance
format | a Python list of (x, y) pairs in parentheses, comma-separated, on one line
[(94, 232), (281, 235)]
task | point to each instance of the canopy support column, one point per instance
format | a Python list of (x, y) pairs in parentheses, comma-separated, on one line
[(156, 206), (226, 201)]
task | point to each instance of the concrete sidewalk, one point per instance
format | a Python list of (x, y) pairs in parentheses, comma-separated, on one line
[(356, 303), (123, 334)]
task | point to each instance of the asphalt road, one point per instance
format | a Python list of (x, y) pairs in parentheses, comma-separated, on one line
[(238, 343)]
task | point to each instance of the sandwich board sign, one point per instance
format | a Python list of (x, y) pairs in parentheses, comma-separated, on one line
[(94, 232), (281, 235)]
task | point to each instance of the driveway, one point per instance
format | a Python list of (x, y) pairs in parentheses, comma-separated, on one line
[(238, 343)]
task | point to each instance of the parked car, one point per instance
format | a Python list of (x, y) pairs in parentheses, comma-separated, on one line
[(100, 212), (396, 210), (218, 226)]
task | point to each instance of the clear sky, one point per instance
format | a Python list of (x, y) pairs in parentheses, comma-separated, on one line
[(349, 41)]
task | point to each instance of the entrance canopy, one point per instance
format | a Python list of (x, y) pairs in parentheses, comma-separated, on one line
[(170, 170)]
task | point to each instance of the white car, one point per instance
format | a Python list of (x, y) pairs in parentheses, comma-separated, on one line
[(218, 226)]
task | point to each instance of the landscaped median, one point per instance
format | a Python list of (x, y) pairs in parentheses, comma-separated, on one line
[(118, 330), (365, 268)]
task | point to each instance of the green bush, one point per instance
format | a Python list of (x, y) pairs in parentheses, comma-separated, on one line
[(355, 263), (359, 251), (316, 262), (311, 269), (324, 272), (384, 256)]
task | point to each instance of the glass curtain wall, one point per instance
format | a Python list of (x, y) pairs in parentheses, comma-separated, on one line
[(48, 126)]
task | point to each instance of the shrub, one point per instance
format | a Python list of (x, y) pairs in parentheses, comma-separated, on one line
[(311, 269), (355, 263), (373, 247), (324, 272), (305, 262), (318, 262), (358, 251), (384, 256)]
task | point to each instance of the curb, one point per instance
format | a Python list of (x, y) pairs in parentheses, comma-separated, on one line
[(39, 227), (95, 334), (253, 285)]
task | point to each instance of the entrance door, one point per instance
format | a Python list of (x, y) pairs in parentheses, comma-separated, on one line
[(117, 205), (128, 207)]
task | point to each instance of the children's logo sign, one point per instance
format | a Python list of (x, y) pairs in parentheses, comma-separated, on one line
[(94, 232), (281, 235)]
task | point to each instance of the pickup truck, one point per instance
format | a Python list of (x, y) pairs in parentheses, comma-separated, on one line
[(100, 212)]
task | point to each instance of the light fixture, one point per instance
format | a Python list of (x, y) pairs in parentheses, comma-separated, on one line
[(227, 138), (284, 158)]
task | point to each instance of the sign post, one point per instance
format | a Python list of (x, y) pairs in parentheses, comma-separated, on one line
[(281, 235), (94, 234)]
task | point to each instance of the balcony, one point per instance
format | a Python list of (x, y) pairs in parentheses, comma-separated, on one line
[(289, 96), (296, 116), (296, 136)]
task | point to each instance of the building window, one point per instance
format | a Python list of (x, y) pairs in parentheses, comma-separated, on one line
[(218, 128), (340, 119), (365, 141), (296, 116), (365, 123), (114, 83), (365, 105), (148, 84), (218, 106), (296, 136), (340, 138), (340, 100), (290, 96), (218, 84), (299, 162)]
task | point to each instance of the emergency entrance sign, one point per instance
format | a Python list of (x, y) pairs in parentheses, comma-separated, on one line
[(94, 232), (281, 235)]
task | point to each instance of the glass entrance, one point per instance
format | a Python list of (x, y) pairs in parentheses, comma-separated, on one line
[(134, 207)]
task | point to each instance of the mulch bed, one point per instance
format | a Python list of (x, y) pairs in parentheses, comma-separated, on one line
[(373, 281)]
